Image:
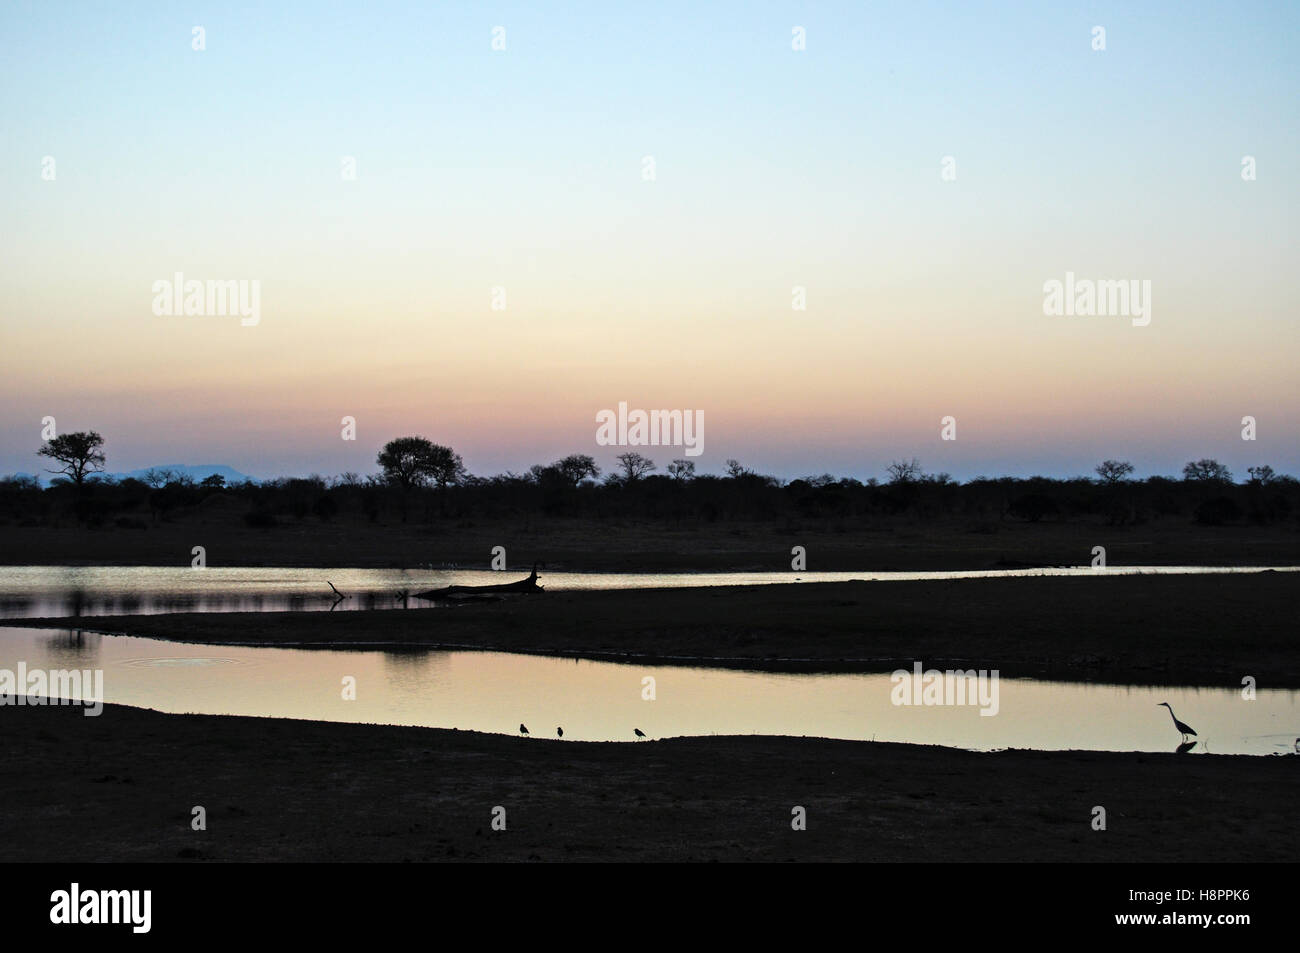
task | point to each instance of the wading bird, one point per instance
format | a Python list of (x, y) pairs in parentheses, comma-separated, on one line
[(523, 729), (638, 732), (559, 732), (1185, 729)]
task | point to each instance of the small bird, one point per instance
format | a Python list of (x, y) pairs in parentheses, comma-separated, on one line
[(523, 729), (638, 732), (559, 732), (1185, 730)]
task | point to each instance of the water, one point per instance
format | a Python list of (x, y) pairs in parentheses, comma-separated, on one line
[(33, 591), (602, 701)]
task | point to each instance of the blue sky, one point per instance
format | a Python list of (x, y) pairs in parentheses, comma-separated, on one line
[(522, 168)]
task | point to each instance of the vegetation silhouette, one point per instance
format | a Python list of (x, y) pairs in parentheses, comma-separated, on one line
[(418, 475)]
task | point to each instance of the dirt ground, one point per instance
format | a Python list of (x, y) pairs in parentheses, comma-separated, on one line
[(665, 545), (122, 787)]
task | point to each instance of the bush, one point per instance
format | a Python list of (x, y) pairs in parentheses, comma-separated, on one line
[(260, 519), (1033, 507), (1218, 511)]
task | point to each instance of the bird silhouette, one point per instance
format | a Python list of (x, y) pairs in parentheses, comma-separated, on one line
[(638, 732), (559, 732), (523, 729), (1185, 730)]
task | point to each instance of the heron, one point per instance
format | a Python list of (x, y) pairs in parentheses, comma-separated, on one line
[(559, 732), (523, 729), (1185, 730), (638, 732)]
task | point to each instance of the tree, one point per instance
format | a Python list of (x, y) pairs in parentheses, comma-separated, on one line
[(634, 466), (1207, 471), (576, 467), (1113, 471), (79, 453), (414, 461), (904, 471), (159, 478), (735, 470), (682, 470), (1262, 476), (214, 481)]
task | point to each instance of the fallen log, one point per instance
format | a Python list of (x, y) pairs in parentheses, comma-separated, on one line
[(470, 592)]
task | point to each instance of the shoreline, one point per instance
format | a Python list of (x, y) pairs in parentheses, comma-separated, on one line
[(121, 787), (1148, 629)]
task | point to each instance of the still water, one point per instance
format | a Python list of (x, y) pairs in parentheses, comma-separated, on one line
[(28, 592), (602, 701)]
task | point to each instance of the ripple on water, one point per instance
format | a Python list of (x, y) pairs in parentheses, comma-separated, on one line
[(192, 661)]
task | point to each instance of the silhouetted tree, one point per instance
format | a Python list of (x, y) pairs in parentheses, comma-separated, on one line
[(1261, 476), (576, 467), (682, 470), (414, 461), (634, 466), (1207, 471), (1113, 471), (157, 478), (904, 471), (80, 453)]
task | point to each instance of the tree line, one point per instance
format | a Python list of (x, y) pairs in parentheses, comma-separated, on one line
[(421, 480)]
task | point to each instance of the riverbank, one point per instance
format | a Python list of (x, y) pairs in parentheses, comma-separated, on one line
[(122, 787), (1194, 630), (623, 545)]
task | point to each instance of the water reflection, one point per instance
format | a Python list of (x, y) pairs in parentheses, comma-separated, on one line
[(73, 648), (602, 701), (78, 591)]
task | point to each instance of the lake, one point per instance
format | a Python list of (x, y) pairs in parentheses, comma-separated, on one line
[(603, 701), (35, 591)]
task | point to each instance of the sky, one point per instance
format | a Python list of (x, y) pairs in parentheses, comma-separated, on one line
[(524, 169)]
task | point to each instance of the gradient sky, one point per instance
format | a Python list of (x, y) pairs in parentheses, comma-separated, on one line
[(775, 168)]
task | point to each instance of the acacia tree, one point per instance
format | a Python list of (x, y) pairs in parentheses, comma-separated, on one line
[(1207, 471), (1113, 471), (576, 467), (1261, 476), (682, 471), (410, 462), (904, 471), (634, 466), (80, 453)]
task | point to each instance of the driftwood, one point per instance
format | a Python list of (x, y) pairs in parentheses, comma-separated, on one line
[(472, 592)]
